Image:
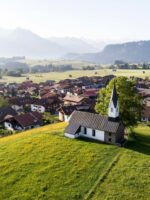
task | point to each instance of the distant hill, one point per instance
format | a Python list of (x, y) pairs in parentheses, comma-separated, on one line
[(78, 45), (21, 42), (128, 52)]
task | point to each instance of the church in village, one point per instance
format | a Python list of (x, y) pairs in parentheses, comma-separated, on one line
[(108, 129)]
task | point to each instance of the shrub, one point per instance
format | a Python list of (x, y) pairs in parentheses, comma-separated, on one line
[(4, 132)]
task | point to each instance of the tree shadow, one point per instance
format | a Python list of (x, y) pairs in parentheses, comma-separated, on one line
[(139, 143)]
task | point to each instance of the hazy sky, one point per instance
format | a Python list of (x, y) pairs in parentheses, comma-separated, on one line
[(95, 19)]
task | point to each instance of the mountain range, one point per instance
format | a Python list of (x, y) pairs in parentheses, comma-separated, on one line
[(22, 42), (132, 52)]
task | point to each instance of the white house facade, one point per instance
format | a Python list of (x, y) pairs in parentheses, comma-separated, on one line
[(88, 133), (37, 108), (63, 117)]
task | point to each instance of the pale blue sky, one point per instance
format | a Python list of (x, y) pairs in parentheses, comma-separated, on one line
[(95, 19)]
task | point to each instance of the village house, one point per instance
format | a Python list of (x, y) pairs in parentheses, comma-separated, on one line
[(50, 82), (146, 114), (71, 99), (145, 117), (38, 106), (91, 93), (49, 95), (20, 103), (109, 129), (6, 112), (144, 92), (65, 112), (24, 121), (65, 88)]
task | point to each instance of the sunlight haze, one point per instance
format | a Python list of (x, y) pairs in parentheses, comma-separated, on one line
[(94, 19)]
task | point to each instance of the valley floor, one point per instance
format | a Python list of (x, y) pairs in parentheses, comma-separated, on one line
[(43, 164), (57, 76)]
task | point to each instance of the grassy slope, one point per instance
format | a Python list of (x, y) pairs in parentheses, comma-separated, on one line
[(130, 177), (57, 76), (43, 164)]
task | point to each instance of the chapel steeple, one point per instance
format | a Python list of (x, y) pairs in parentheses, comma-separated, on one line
[(113, 111)]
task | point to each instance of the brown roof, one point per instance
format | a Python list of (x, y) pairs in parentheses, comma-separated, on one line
[(28, 119), (146, 112), (49, 95), (38, 115), (68, 110), (21, 100), (5, 112), (73, 98), (91, 92)]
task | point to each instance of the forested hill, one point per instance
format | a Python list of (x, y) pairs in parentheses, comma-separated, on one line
[(133, 52)]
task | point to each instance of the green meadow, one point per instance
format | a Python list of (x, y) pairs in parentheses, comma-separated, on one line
[(43, 164), (129, 178), (57, 76)]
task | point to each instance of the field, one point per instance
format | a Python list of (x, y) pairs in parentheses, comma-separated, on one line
[(130, 177), (74, 63), (57, 76), (43, 164)]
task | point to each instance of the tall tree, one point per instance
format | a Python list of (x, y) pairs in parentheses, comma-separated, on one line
[(130, 102)]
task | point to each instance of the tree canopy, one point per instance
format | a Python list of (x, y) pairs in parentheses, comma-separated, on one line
[(130, 102)]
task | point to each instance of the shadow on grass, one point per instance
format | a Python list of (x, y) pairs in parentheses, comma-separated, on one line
[(89, 140), (139, 143)]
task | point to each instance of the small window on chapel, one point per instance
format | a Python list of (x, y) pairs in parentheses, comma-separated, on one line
[(112, 109), (93, 133)]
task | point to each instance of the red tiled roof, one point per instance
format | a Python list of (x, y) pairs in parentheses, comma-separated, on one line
[(28, 119), (91, 92), (49, 95)]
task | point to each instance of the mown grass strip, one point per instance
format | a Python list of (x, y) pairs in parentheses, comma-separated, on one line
[(102, 177)]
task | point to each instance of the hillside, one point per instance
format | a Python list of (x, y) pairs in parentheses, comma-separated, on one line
[(21, 42), (130, 177), (132, 52), (43, 164)]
